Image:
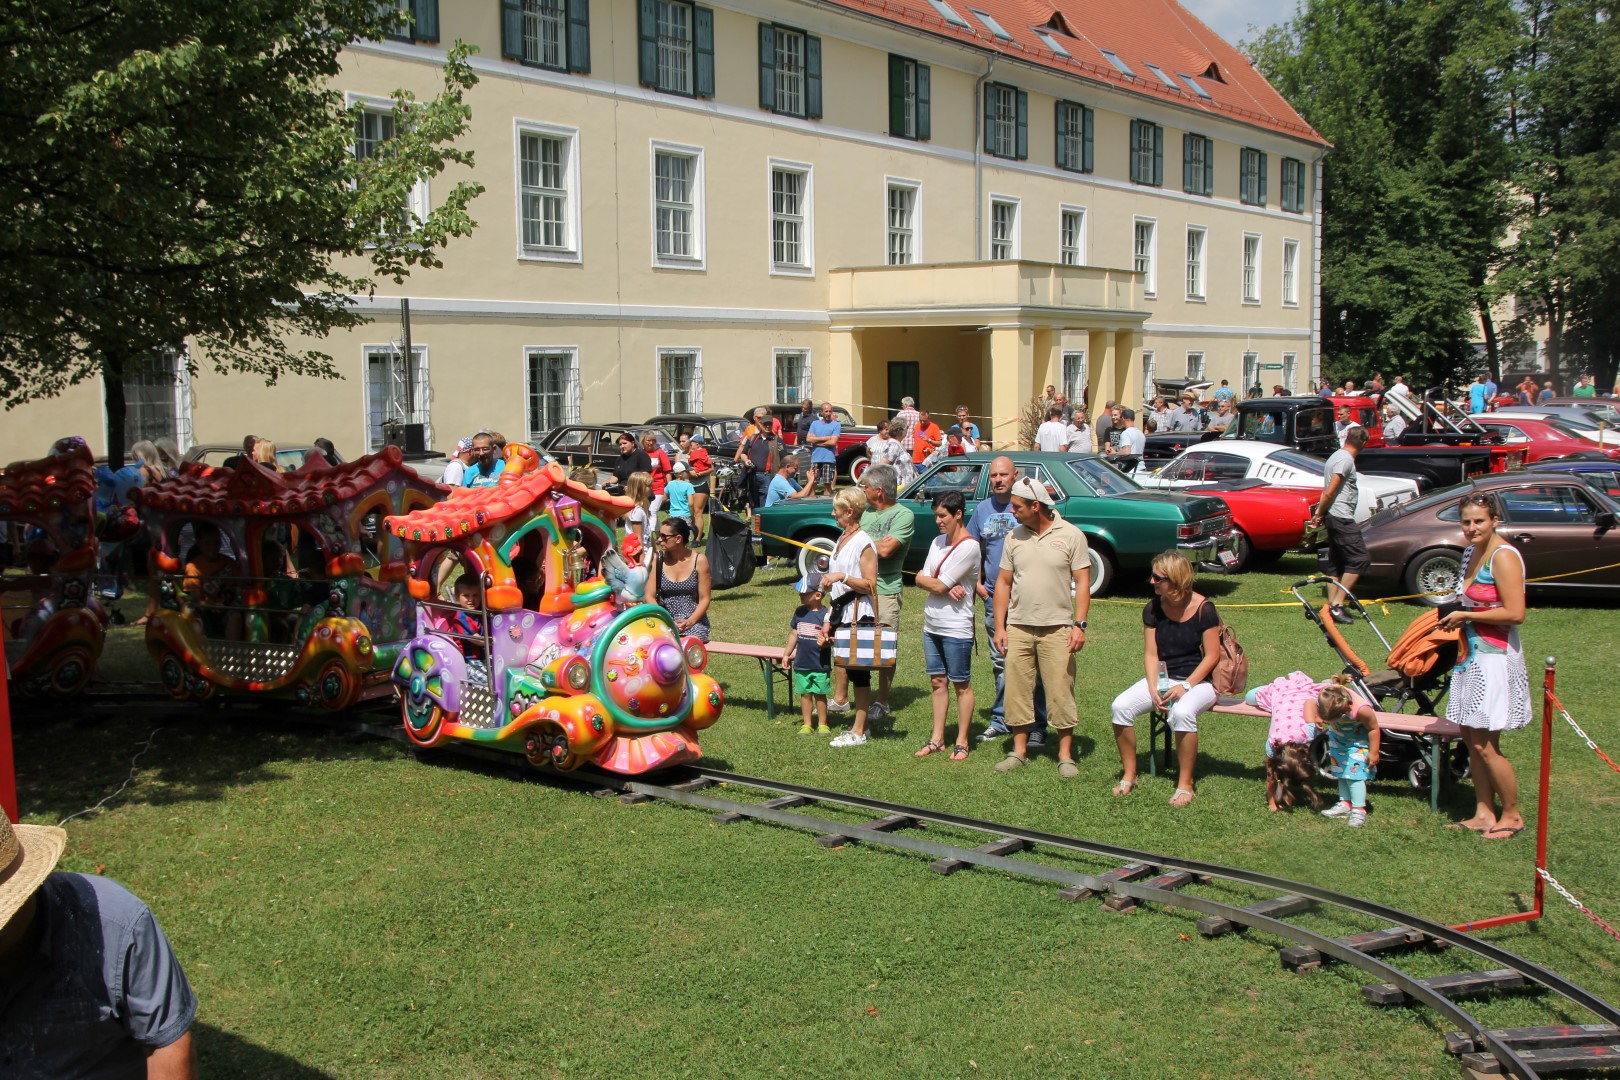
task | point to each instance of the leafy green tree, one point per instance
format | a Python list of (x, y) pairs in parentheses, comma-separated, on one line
[(1413, 96), (185, 169), (1564, 267)]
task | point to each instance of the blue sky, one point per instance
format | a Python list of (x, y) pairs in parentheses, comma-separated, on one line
[(1232, 18)]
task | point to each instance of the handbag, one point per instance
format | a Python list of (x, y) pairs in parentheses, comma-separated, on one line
[(866, 647)]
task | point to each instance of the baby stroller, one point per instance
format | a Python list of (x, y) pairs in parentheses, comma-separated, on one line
[(1414, 677)]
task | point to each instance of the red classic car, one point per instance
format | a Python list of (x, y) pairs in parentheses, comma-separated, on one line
[(1269, 521), (851, 442), (1543, 440)]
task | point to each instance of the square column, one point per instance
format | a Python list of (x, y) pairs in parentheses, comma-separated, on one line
[(1100, 360), (840, 377), (1128, 368), (1012, 380)]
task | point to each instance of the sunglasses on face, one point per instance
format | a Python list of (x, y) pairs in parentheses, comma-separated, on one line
[(1156, 578), (668, 536)]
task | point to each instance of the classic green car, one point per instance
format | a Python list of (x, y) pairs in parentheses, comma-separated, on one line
[(1125, 525)]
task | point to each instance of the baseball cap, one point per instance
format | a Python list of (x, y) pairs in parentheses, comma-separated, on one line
[(464, 445), (956, 429), (810, 583), (695, 437), (1025, 488), (680, 467)]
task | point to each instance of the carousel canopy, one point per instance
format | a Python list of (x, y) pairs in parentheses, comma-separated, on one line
[(249, 489), (469, 510), (61, 479)]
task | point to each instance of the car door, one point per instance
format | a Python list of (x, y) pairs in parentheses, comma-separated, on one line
[(966, 477), (1561, 528)]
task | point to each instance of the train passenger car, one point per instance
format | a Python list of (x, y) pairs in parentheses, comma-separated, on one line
[(282, 583), (523, 643), (50, 619)]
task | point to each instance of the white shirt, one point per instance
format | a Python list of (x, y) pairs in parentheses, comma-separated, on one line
[(1079, 439), (453, 473), (1052, 436), (942, 615), (846, 560), (1399, 388), (1132, 441)]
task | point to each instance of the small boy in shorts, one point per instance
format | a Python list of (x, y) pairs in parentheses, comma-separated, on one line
[(811, 660)]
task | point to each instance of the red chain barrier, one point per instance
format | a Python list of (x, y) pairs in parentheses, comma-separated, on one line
[(1587, 739)]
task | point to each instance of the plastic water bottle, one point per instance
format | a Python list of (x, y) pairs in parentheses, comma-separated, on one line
[(1164, 678)]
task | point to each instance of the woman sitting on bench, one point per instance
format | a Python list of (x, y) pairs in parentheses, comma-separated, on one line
[(1181, 642)]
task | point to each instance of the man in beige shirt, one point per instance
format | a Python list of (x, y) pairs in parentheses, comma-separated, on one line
[(1038, 627)]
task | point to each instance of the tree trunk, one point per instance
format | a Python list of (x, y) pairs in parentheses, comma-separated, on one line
[(112, 381), (1493, 348)]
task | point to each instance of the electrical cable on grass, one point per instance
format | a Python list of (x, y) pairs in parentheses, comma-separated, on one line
[(134, 766)]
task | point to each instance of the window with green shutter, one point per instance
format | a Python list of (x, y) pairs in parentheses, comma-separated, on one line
[(416, 20), (1147, 153), (1252, 177), (1197, 165), (909, 99), (789, 71), (1006, 121), (676, 52), (552, 34), (1075, 125), (1293, 185)]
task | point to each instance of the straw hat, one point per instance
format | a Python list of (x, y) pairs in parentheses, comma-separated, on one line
[(27, 854)]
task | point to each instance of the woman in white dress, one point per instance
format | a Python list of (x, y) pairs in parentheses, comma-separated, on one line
[(1490, 690), (852, 581)]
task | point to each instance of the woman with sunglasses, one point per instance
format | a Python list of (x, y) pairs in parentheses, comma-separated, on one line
[(1490, 692), (851, 581), (679, 582), (1181, 643)]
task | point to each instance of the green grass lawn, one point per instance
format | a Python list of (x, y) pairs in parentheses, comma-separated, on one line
[(343, 909)]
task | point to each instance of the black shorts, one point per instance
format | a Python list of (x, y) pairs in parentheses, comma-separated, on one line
[(1346, 550), (701, 486)]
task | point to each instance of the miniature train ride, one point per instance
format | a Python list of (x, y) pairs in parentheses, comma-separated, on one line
[(540, 656), (52, 623), (332, 585)]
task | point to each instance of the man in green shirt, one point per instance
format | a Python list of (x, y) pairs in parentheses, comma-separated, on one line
[(890, 528), (1585, 387)]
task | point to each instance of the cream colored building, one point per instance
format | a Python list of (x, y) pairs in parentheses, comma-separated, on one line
[(958, 199)]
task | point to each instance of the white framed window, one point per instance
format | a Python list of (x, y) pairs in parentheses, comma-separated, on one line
[(1251, 370), (1003, 228), (1074, 375), (545, 33), (789, 71), (791, 376), (902, 207), (675, 46), (1197, 241), (548, 192), (680, 380), (677, 182), (1290, 377), (1290, 273), (157, 399), (1195, 365), (1142, 251), (397, 392), (792, 226), (1072, 235), (1251, 268), (375, 127), (552, 387), (1002, 114), (1148, 374)]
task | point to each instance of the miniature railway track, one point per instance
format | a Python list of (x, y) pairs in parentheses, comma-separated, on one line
[(1141, 877), (1135, 879)]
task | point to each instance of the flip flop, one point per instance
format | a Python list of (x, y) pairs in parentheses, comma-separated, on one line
[(1182, 797), (929, 748), (1125, 787), (1507, 834)]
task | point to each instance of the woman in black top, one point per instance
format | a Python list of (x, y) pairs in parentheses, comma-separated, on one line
[(632, 459), (1181, 643)]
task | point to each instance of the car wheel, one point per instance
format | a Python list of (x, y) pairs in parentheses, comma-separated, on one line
[(816, 555), (1434, 574), (859, 466), (1244, 551), (1103, 570)]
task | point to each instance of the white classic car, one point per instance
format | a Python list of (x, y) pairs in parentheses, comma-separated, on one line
[(1237, 459)]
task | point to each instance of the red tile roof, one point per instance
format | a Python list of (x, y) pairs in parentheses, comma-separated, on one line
[(54, 480), (251, 489), (1139, 32), (469, 510)]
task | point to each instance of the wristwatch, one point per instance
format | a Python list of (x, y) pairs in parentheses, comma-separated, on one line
[(1080, 624)]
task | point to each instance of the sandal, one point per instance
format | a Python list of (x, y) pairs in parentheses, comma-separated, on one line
[(959, 752), (1182, 797), (1125, 787), (929, 748)]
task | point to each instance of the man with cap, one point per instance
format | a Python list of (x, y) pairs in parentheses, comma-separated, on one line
[(486, 466), (88, 983), (456, 471), (991, 523), (1039, 628)]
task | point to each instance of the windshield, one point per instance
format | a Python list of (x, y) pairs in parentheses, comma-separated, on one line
[(1267, 425), (1563, 429), (1101, 477), (1314, 466)]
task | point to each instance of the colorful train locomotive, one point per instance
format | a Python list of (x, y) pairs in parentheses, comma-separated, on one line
[(538, 656)]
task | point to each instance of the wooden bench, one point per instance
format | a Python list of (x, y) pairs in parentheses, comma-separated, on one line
[(768, 657), (1439, 731)]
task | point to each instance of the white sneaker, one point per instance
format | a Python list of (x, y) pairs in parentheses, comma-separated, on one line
[(834, 705), (877, 710), (848, 738), (1338, 809), (1357, 818)]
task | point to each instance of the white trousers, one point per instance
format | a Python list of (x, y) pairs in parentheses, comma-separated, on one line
[(1135, 701)]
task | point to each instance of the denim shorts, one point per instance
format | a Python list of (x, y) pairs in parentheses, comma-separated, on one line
[(948, 656)]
